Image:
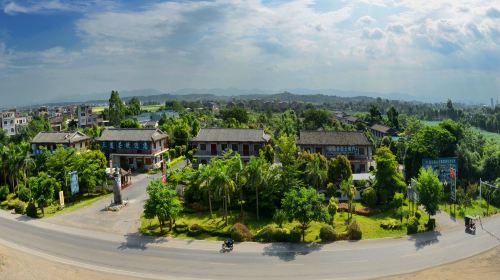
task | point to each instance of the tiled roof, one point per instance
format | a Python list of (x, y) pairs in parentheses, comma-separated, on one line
[(231, 135), (59, 137), (132, 134), (341, 138), (382, 128)]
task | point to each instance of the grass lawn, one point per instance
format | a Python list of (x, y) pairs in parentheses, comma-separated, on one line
[(370, 226), (81, 201), (473, 210)]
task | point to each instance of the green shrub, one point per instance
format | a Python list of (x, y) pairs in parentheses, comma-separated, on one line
[(272, 234), (327, 233), (354, 230), (31, 210), (12, 203), (412, 227), (391, 224), (4, 192), (431, 224), (181, 228), (279, 217), (370, 197), (240, 232), (294, 236), (194, 230), (332, 207), (23, 193), (418, 215), (19, 207)]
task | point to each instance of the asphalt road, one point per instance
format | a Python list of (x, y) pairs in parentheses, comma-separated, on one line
[(187, 259)]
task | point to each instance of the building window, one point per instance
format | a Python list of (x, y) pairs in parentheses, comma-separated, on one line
[(234, 147), (203, 147), (223, 146), (148, 161), (361, 151), (362, 168), (130, 160)]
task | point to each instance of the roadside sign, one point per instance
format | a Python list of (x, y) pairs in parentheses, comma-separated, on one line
[(73, 178), (61, 199), (442, 167)]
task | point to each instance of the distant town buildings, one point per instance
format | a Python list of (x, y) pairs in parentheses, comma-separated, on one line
[(150, 119), (134, 148), (354, 145), (88, 118), (13, 122), (50, 140), (213, 142)]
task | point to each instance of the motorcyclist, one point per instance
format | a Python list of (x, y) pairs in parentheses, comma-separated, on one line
[(229, 242)]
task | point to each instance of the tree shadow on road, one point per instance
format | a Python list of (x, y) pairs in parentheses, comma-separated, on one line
[(425, 239), (137, 241), (288, 251)]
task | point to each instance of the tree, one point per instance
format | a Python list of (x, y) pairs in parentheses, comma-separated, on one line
[(237, 113), (174, 105), (116, 109), (388, 179), (254, 171), (304, 205), (91, 167), (349, 190), (205, 175), (43, 189), (316, 172), (162, 203), (430, 190), (287, 150), (375, 115), (129, 123), (314, 119), (392, 116), (235, 170), (134, 106), (223, 182), (332, 207), (339, 169)]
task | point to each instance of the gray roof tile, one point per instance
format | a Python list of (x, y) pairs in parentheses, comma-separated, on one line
[(59, 137), (132, 134), (343, 138), (231, 135)]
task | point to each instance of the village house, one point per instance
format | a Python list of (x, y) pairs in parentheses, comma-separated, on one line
[(50, 140), (134, 148), (354, 145), (13, 122), (213, 142), (380, 131)]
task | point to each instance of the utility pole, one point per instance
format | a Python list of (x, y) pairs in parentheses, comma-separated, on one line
[(481, 182)]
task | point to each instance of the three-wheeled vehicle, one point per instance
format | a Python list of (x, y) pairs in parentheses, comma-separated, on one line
[(470, 224)]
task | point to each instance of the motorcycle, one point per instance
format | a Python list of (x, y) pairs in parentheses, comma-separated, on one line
[(226, 247)]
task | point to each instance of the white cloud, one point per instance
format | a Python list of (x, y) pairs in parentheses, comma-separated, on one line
[(250, 44), (48, 6)]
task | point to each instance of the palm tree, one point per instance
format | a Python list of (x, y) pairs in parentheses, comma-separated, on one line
[(255, 177), (235, 169), (205, 173), (4, 164), (316, 172), (349, 190), (225, 184)]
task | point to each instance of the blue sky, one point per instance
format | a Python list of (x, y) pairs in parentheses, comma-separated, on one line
[(57, 49)]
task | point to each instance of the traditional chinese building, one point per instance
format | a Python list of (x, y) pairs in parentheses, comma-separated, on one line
[(51, 140), (354, 145), (134, 148), (213, 142)]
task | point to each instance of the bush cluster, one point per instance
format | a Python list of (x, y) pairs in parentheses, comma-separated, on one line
[(327, 233), (19, 207), (354, 231), (240, 232), (412, 227), (23, 193), (181, 228), (391, 224), (31, 210), (274, 234), (4, 192), (195, 229), (365, 211), (370, 197)]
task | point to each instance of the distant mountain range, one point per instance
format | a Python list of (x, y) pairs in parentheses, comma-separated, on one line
[(154, 95)]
